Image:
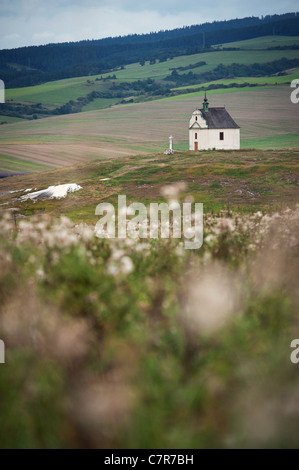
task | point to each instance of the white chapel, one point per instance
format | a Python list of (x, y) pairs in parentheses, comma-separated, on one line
[(213, 128)]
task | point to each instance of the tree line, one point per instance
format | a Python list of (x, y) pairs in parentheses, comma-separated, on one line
[(33, 65)]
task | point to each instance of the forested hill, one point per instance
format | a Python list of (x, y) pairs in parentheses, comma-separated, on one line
[(37, 64)]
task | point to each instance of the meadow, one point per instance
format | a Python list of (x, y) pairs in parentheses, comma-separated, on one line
[(245, 181), (140, 343)]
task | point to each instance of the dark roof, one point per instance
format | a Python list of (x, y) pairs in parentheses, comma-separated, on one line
[(219, 118)]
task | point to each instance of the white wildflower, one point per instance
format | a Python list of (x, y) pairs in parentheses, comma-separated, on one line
[(126, 265)]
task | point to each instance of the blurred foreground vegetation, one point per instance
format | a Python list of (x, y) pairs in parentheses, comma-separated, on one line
[(143, 344)]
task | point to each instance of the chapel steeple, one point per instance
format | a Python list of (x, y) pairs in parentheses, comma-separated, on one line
[(206, 103)]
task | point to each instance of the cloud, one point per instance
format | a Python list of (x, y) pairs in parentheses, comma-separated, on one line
[(46, 35), (33, 22), (12, 37)]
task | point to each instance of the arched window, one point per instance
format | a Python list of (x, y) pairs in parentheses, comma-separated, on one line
[(195, 118), (195, 135)]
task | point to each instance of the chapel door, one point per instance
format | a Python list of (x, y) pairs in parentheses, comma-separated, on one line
[(195, 145)]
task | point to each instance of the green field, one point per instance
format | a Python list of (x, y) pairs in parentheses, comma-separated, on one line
[(161, 70), (53, 93), (276, 141), (267, 81), (14, 164), (263, 42), (59, 92)]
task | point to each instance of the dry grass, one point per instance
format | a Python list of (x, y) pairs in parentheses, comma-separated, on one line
[(219, 179)]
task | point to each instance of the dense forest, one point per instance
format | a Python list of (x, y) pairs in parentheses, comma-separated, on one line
[(33, 65)]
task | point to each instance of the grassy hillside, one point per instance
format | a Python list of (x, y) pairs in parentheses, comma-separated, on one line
[(260, 105), (266, 116), (263, 42), (65, 60), (245, 180), (142, 343), (57, 93), (259, 81)]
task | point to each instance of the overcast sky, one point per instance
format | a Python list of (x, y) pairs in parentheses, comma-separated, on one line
[(35, 22)]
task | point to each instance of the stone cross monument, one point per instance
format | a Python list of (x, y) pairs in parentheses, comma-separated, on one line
[(169, 151)]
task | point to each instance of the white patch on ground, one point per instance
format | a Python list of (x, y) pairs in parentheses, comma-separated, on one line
[(4, 204), (16, 191), (105, 179), (52, 192)]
